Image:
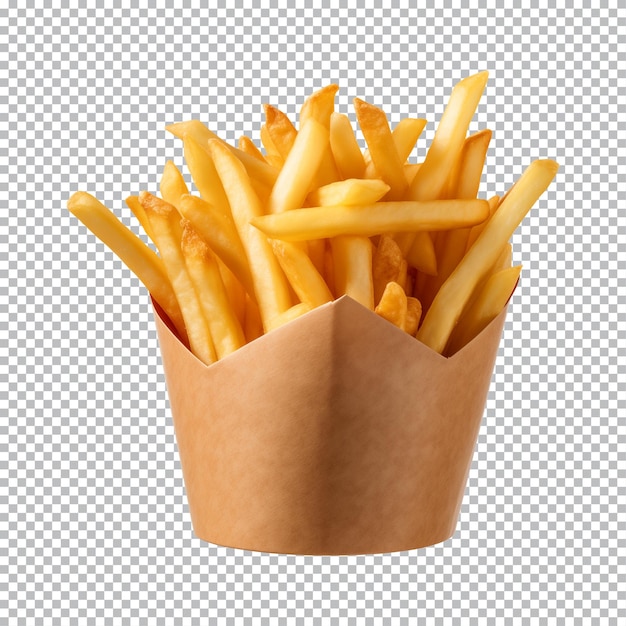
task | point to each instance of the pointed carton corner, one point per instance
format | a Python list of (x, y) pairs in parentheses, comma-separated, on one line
[(334, 434)]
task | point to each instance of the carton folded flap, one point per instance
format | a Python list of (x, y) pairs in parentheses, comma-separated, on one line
[(335, 434)]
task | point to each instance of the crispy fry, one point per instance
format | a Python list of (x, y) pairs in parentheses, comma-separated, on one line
[(270, 284), (488, 303), (303, 276), (245, 144), (294, 181), (320, 106), (204, 174), (173, 184), (165, 222), (253, 327), (494, 203), (345, 147), (133, 252), (405, 136), (442, 154), (382, 149), (204, 272), (262, 172), (349, 192), (371, 219), (132, 202), (272, 156), (280, 129), (289, 315), (393, 305), (352, 258), (454, 293), (385, 265), (413, 315), (219, 231)]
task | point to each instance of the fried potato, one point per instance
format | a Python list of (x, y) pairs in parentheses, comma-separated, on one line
[(133, 252), (165, 223), (372, 219), (448, 304)]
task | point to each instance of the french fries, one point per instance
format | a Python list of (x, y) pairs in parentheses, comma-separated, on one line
[(314, 217)]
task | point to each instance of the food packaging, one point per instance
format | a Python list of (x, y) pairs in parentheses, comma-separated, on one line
[(336, 433)]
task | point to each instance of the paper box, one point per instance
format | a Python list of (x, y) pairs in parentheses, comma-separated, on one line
[(335, 434)]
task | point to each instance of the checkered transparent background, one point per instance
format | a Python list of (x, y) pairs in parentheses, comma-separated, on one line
[(93, 517)]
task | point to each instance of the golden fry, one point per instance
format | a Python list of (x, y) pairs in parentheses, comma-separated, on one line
[(219, 231), (173, 184), (270, 284), (487, 305), (345, 147), (385, 265), (133, 252), (294, 181), (447, 305), (442, 154), (349, 192), (262, 172), (393, 305), (302, 274), (382, 149), (280, 129), (352, 258), (371, 219), (165, 222)]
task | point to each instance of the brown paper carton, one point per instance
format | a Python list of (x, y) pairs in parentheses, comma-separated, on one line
[(335, 434)]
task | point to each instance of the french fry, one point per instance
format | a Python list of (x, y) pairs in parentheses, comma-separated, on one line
[(320, 106), (245, 144), (270, 284), (382, 149), (226, 333), (372, 219), (258, 170), (204, 174), (393, 305), (132, 202), (385, 265), (253, 327), (465, 185), (352, 258), (294, 181), (449, 136), (413, 315), (133, 252), (494, 203), (165, 223), (349, 192), (345, 147), (405, 136), (303, 276), (219, 231), (289, 315), (410, 170), (272, 156), (235, 291), (488, 303), (172, 185), (279, 127), (448, 304)]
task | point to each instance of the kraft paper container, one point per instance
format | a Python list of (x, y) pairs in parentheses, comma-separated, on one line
[(334, 434)]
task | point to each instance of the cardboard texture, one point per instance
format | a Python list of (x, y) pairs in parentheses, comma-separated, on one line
[(334, 434)]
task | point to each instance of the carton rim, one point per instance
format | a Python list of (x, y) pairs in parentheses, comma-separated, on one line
[(299, 320)]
